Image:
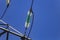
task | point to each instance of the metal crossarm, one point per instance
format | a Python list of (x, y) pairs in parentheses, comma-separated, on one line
[(14, 33), (2, 33)]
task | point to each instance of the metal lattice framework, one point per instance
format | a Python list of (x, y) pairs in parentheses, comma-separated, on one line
[(17, 33)]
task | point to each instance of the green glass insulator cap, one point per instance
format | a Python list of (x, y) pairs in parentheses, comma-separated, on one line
[(27, 23)]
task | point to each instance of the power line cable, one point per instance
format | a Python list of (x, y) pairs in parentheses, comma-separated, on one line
[(27, 23), (32, 18), (7, 3)]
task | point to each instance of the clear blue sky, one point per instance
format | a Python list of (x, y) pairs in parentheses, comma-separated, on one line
[(47, 18)]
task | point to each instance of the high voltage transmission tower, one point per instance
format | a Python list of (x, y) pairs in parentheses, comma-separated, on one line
[(28, 24)]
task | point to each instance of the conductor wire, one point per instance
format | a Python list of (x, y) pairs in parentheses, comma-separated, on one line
[(32, 18), (8, 3)]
